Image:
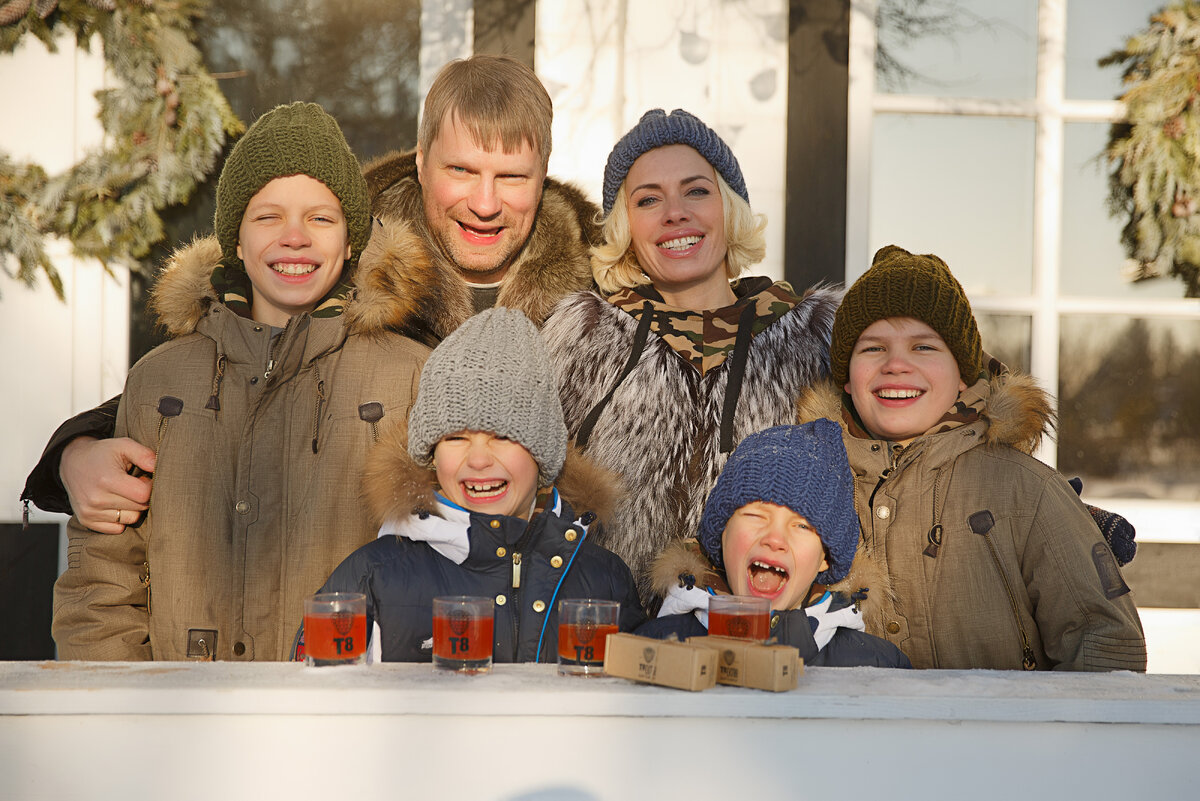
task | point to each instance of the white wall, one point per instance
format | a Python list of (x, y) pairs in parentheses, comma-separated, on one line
[(57, 358)]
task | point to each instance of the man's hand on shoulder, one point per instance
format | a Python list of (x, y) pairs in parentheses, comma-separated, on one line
[(95, 473)]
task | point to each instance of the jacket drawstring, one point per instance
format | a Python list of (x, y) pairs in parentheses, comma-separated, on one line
[(737, 369), (320, 400), (214, 400), (635, 354)]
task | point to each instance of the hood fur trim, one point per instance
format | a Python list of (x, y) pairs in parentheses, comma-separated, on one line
[(394, 285), (1018, 411), (554, 262), (684, 557), (394, 486), (183, 290), (868, 573), (397, 284)]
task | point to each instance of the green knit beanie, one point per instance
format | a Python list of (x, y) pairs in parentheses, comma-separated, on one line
[(300, 138), (902, 284)]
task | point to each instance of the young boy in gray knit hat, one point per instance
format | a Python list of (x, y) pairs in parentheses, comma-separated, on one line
[(479, 497), (780, 525)]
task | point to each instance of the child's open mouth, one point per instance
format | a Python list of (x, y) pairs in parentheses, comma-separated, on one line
[(767, 579), (485, 490)]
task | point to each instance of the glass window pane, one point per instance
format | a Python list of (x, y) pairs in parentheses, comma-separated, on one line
[(1096, 28), (1092, 253), (1007, 337), (959, 48), (960, 187), (1128, 394)]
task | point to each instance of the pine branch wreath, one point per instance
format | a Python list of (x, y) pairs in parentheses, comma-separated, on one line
[(165, 123), (1155, 183)]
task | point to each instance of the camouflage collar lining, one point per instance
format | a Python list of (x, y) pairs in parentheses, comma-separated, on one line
[(705, 338)]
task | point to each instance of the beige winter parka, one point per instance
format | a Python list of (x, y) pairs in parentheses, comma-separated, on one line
[(994, 562), (260, 444)]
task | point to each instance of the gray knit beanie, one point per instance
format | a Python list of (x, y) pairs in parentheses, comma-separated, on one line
[(659, 129), (801, 467), (491, 374)]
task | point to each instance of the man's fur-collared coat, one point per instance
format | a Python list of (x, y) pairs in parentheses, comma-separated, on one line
[(661, 430), (260, 442), (553, 263), (993, 560)]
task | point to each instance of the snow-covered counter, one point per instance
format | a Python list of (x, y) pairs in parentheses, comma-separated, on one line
[(204, 731)]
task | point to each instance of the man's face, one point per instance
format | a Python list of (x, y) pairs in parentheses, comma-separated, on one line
[(480, 204)]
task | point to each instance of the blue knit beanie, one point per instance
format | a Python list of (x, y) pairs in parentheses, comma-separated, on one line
[(801, 467), (656, 128)]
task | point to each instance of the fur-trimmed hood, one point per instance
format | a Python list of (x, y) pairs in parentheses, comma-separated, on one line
[(394, 486), (867, 582), (386, 295), (554, 262), (1018, 412)]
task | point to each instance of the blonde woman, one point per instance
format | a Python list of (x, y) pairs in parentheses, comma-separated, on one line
[(683, 357)]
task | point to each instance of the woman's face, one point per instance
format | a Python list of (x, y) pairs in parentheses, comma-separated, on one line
[(677, 226), (293, 242)]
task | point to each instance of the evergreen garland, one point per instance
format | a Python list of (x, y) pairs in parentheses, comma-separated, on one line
[(1155, 183), (165, 122)]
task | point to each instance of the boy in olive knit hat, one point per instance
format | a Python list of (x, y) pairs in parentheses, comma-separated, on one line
[(779, 525), (470, 502), (992, 559), (259, 410)]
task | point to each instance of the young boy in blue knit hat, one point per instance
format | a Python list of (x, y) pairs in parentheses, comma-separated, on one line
[(780, 524), (477, 497)]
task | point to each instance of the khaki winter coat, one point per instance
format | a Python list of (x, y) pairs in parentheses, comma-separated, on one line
[(260, 447), (994, 561)]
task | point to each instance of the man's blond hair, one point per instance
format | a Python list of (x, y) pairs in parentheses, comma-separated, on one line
[(496, 98), (615, 265)]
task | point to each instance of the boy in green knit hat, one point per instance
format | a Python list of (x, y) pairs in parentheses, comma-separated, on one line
[(260, 411), (994, 561)]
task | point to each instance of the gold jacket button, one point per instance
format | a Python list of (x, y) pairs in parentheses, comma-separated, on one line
[(539, 606), (495, 524), (243, 507), (501, 552), (501, 600), (893, 627), (883, 513), (571, 535), (556, 561)]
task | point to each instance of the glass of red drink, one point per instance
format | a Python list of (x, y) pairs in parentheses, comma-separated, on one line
[(583, 628), (335, 629), (741, 616), (463, 626)]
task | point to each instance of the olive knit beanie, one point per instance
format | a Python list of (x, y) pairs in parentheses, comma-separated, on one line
[(901, 284), (300, 138), (659, 129), (801, 467), (491, 374)]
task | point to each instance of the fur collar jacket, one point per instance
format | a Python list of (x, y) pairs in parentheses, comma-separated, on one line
[(428, 547), (637, 405), (554, 262), (260, 437), (993, 560)]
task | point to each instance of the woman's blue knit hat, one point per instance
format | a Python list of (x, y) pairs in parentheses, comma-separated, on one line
[(801, 467), (656, 128)]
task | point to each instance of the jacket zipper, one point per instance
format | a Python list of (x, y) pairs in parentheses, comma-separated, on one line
[(1029, 660), (516, 602)]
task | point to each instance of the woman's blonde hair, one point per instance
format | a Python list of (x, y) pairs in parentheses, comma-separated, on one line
[(615, 265)]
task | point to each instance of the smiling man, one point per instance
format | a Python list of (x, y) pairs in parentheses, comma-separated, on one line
[(472, 206), (504, 234)]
